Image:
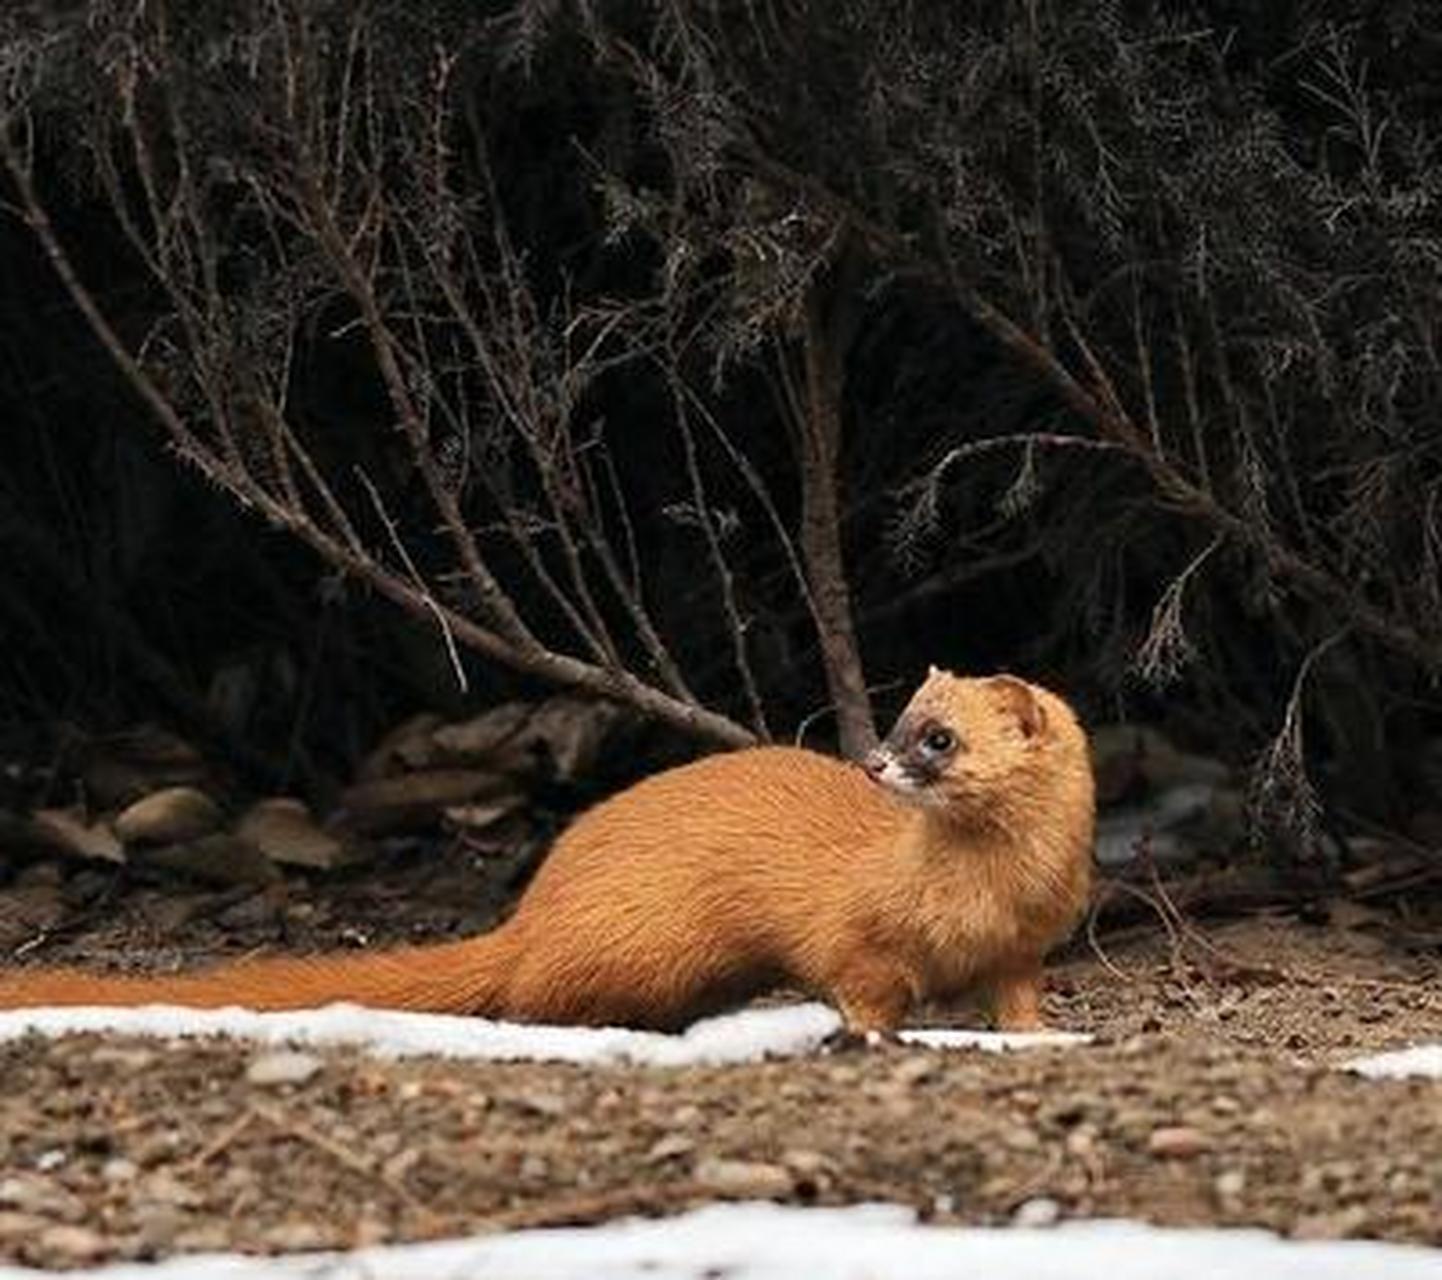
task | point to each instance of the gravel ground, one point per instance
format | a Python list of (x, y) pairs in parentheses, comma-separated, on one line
[(1212, 1097)]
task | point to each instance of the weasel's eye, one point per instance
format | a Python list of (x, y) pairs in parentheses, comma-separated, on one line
[(938, 740)]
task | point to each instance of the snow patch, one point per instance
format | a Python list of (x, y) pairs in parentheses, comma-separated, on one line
[(771, 1242), (1420, 1060), (745, 1036)]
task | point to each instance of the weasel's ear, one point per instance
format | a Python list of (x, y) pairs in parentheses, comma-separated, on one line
[(1020, 699), (932, 672)]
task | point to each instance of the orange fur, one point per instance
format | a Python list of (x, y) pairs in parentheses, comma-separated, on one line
[(711, 882)]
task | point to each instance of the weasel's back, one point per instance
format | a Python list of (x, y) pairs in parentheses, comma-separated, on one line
[(771, 806)]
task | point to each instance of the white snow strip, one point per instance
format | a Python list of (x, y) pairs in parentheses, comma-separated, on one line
[(771, 1242), (992, 1041), (1420, 1060), (746, 1036)]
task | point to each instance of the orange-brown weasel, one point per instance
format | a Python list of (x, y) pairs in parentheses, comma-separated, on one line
[(953, 860)]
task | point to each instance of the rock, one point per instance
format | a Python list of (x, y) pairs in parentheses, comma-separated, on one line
[(175, 815), (1333, 1224), (129, 1059), (559, 738), (669, 1147), (28, 913), (163, 1188), (208, 1237), (1173, 824), (284, 1067), (297, 1237), (261, 909), (418, 799), (119, 1170), (66, 831), (1039, 1211), (16, 1227), (406, 747), (540, 1102), (70, 1245), (218, 859), (1230, 1184), (126, 766), (1020, 1138), (1128, 758), (30, 1193), (1177, 1142), (157, 1226), (743, 1177), (283, 829), (471, 818), (914, 1070)]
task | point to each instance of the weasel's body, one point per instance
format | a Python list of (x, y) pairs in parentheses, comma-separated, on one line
[(717, 880)]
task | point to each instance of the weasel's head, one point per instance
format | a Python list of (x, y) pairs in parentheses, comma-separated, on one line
[(963, 742)]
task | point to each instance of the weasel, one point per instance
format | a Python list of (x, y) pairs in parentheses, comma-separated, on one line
[(952, 860)]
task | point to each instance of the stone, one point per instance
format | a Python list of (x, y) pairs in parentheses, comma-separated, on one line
[(127, 766), (16, 1226), (412, 800), (1132, 758), (406, 747), (1039, 1211), (297, 1237), (30, 1193), (174, 815), (669, 1147), (119, 1170), (284, 830), (748, 1178), (559, 738), (283, 1067), (130, 1059), (914, 1070), (70, 1245), (1230, 1184), (220, 858), (66, 831), (1177, 1142)]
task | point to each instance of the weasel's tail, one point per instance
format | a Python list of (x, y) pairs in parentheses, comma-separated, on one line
[(453, 977)]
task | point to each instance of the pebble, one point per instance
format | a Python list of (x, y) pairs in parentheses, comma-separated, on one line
[(127, 1059), (1177, 1142), (32, 1194), (169, 816), (1230, 1184), (285, 1067), (163, 1188), (1020, 1138), (70, 1245), (540, 1102), (1331, 1225), (743, 1177), (1039, 1211), (210, 1237), (914, 1070), (670, 1146), (804, 1161), (19, 1226), (119, 1169), (295, 1237)]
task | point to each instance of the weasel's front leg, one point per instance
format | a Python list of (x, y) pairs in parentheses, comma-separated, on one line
[(1016, 997), (873, 995)]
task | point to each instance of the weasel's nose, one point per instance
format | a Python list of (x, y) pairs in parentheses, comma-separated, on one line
[(875, 763)]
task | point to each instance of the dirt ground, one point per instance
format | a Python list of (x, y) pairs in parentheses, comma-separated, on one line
[(1210, 1097)]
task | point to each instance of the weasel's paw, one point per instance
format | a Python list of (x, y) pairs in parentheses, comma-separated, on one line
[(845, 1040)]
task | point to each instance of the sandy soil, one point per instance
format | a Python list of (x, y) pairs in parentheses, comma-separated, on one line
[(1211, 1097)]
